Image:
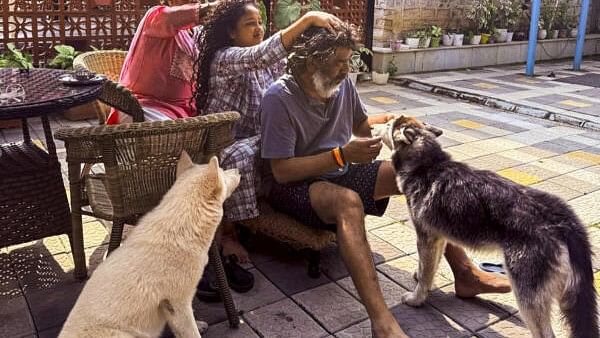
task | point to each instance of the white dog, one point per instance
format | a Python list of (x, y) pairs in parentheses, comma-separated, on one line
[(151, 279)]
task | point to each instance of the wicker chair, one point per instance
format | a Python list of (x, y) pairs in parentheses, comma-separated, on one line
[(109, 63), (140, 161)]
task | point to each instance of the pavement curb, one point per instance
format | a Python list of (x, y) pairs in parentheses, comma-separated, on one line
[(496, 103)]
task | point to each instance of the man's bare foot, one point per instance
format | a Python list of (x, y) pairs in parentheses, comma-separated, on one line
[(387, 328), (231, 246), (471, 281)]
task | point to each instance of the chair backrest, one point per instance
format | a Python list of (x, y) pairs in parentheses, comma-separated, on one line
[(109, 63), (140, 159)]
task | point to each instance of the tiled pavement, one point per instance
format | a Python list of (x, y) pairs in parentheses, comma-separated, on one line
[(37, 289), (544, 94)]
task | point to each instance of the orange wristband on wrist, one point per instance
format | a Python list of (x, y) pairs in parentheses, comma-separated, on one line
[(337, 156)]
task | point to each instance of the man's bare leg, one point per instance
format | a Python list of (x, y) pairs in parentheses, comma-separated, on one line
[(335, 204), (469, 280), (230, 243)]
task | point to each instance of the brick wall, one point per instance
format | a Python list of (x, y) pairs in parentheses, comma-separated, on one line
[(393, 18)]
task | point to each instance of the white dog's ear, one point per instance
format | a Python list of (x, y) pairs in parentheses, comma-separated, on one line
[(214, 174), (406, 135), (184, 163)]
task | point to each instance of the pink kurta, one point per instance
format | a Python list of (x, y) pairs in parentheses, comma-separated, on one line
[(158, 68)]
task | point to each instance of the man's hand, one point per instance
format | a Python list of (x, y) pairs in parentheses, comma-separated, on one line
[(362, 150)]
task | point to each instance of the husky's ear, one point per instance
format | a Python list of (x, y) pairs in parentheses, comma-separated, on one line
[(406, 135), (184, 163), (214, 174), (436, 131)]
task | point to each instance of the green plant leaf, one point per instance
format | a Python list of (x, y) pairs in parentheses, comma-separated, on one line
[(64, 49), (286, 12)]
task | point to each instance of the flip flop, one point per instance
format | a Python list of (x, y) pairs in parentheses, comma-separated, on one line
[(492, 267)]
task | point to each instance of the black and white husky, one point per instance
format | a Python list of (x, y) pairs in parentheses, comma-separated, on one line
[(546, 248)]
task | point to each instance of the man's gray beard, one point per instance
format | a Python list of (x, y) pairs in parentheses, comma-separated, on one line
[(323, 85)]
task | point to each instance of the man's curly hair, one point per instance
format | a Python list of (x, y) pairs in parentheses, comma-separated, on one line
[(215, 35), (318, 44)]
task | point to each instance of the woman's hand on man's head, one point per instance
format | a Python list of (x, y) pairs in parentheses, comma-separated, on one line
[(322, 19)]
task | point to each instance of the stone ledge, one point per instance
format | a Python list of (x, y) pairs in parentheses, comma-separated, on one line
[(468, 56)]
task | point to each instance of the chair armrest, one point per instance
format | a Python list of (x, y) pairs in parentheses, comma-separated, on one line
[(122, 99)]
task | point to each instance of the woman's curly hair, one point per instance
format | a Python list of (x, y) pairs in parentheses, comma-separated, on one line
[(318, 44), (215, 35)]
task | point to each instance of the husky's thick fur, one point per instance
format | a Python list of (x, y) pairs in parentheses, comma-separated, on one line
[(546, 248), (151, 279)]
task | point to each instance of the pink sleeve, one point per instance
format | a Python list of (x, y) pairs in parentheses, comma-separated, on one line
[(166, 21)]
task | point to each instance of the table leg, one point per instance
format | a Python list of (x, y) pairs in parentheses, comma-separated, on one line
[(25, 128), (49, 139)]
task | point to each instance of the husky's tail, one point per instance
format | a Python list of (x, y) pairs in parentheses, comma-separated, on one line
[(579, 300)]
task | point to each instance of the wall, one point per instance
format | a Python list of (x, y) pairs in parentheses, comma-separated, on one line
[(393, 18)]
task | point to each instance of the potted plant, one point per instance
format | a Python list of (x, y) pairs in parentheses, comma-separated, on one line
[(15, 58), (357, 64), (392, 69), (474, 39), (412, 40), (380, 78), (424, 38), (542, 32), (482, 15), (436, 35), (448, 38), (64, 58), (548, 16)]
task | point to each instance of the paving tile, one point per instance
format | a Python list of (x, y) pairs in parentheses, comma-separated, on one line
[(497, 144), (9, 282), (284, 319), (397, 209), (94, 234), (493, 162), (468, 124), (290, 275), (575, 184), (45, 247), (392, 292), (532, 136), (558, 190), (474, 314), (519, 176), (50, 308), (427, 322), (382, 250), (585, 156), (470, 150), (511, 327), (223, 330), (594, 237), (586, 175), (504, 301), (459, 137), (400, 235), (561, 147), (447, 142), (478, 134), (44, 273), (359, 330), (402, 270), (333, 307), (572, 161), (263, 293), (16, 319), (374, 222), (537, 171), (586, 207)]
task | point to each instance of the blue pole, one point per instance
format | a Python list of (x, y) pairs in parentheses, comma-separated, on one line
[(533, 32), (585, 6)]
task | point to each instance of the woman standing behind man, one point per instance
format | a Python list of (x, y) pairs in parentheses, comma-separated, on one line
[(234, 68)]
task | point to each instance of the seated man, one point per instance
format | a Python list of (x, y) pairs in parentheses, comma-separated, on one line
[(323, 178)]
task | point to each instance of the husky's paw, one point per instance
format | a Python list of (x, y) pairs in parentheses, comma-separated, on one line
[(202, 326), (412, 299)]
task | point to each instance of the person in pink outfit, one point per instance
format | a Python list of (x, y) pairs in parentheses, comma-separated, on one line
[(159, 65)]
